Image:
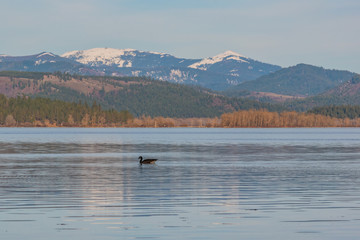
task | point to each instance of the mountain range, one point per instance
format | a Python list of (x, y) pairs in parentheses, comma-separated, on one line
[(97, 74), (217, 73)]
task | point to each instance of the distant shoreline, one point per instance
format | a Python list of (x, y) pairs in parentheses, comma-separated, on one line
[(194, 127)]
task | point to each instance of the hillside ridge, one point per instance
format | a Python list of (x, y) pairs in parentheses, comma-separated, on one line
[(139, 95)]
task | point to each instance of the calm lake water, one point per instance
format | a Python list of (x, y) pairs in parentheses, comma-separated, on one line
[(208, 184)]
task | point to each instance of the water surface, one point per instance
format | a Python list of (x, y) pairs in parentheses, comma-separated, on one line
[(207, 184)]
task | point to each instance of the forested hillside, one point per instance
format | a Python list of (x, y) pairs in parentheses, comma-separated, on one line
[(344, 111), (347, 93), (139, 95), (300, 80)]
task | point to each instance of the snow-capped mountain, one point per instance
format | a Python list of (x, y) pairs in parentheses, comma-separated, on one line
[(44, 56), (125, 58), (217, 73), (206, 63), (43, 62)]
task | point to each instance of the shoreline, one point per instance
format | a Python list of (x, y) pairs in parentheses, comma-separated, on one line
[(105, 127)]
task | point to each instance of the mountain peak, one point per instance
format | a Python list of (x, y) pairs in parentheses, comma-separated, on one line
[(96, 52), (108, 56), (228, 55), (107, 52), (47, 54), (231, 53)]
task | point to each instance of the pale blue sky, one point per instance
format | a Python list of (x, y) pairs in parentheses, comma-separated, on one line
[(284, 32)]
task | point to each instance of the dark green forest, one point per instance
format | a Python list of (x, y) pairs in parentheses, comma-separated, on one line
[(174, 100), (347, 111), (26, 111), (29, 75)]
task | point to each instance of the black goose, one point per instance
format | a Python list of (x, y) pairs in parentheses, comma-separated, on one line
[(146, 161)]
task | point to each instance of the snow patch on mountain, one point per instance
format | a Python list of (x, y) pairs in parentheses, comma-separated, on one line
[(45, 54), (175, 73), (136, 73), (178, 76), (157, 53), (38, 62), (232, 82), (228, 55), (107, 56)]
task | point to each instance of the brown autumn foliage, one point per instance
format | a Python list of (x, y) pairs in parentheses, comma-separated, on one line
[(161, 122), (266, 119), (249, 119), (239, 119)]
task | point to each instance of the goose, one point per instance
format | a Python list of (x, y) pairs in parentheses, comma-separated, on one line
[(146, 161)]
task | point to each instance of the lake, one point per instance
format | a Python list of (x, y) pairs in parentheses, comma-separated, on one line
[(71, 183)]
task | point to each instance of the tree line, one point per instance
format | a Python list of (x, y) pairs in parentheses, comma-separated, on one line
[(344, 111), (249, 119), (266, 119), (44, 112)]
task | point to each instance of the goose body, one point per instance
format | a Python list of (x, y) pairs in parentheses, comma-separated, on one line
[(146, 161)]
